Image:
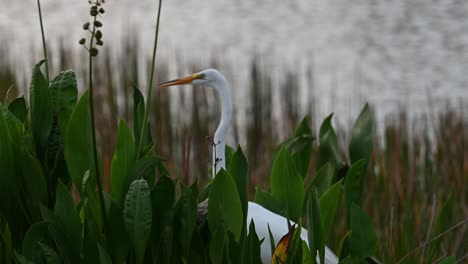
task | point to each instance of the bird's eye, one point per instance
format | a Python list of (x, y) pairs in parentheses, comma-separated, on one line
[(202, 76)]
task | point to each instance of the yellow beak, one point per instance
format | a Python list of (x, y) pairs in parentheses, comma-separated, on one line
[(184, 80)]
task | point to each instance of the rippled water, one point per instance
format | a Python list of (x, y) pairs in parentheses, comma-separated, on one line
[(394, 54)]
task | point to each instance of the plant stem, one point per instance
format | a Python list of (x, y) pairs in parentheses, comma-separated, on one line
[(44, 46), (150, 83), (93, 130)]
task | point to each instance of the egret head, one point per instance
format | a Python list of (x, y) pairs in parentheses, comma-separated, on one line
[(206, 77)]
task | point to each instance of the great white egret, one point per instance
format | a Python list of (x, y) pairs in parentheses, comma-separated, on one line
[(260, 215)]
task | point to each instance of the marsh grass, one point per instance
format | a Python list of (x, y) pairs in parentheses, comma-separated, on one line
[(418, 167)]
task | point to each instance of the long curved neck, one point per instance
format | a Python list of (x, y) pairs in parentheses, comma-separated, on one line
[(219, 140)]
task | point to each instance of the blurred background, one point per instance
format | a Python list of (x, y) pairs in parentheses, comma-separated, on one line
[(284, 60)]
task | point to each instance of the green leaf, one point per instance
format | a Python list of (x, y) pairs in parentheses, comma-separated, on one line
[(272, 240), (34, 187), (224, 207), (22, 259), (217, 243), (66, 212), (104, 258), (69, 248), (38, 232), (353, 184), (329, 204), (328, 150), (252, 246), (141, 168), (18, 108), (323, 179), (266, 200), (50, 255), (306, 255), (79, 143), (238, 169), (40, 110), (162, 198), (301, 147), (8, 179), (448, 260), (360, 146), (138, 216), (228, 153), (363, 239), (316, 232), (123, 159), (6, 243), (64, 93), (185, 217), (117, 235), (287, 185), (138, 113)]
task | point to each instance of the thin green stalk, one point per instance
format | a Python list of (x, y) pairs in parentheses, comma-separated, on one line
[(93, 129), (150, 83), (44, 46)]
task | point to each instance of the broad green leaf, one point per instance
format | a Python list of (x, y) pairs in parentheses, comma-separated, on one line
[(316, 234), (287, 185), (238, 169), (68, 247), (329, 204), (34, 183), (65, 210), (123, 159), (139, 169), (252, 246), (224, 207), (353, 184), (301, 148), (266, 200), (217, 243), (38, 232), (162, 198), (40, 110), (360, 146), (328, 150), (18, 108), (363, 239), (323, 179), (117, 238), (64, 93), (79, 143), (138, 216), (185, 219)]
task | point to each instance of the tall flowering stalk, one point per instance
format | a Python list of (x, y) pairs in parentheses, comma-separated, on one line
[(96, 10)]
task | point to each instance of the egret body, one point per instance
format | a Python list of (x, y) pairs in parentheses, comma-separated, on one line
[(260, 215)]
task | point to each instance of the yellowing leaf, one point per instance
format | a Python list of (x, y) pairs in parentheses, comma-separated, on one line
[(280, 255)]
